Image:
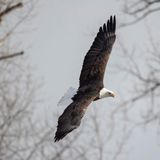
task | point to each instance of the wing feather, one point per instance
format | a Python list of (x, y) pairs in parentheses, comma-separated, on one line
[(72, 115), (97, 57)]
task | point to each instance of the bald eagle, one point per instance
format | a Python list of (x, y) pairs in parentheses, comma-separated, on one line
[(91, 86)]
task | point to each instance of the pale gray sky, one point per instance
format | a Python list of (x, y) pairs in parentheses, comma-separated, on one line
[(64, 32)]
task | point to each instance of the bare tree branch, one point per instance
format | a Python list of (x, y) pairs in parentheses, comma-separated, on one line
[(10, 9), (145, 81), (11, 56), (139, 10)]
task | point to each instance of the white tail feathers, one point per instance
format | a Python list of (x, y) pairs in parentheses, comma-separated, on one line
[(66, 99)]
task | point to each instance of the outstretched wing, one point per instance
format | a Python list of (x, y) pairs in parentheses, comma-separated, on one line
[(97, 57), (72, 115)]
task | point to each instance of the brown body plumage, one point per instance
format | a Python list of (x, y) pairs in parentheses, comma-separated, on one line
[(91, 79)]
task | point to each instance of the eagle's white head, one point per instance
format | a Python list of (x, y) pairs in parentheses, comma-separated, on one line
[(106, 93)]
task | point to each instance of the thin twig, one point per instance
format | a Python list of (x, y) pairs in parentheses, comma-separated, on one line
[(145, 14), (12, 55), (10, 9)]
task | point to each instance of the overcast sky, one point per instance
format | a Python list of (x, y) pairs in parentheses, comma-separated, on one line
[(64, 31)]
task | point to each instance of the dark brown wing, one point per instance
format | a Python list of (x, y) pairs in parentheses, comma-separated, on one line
[(97, 57), (72, 115)]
